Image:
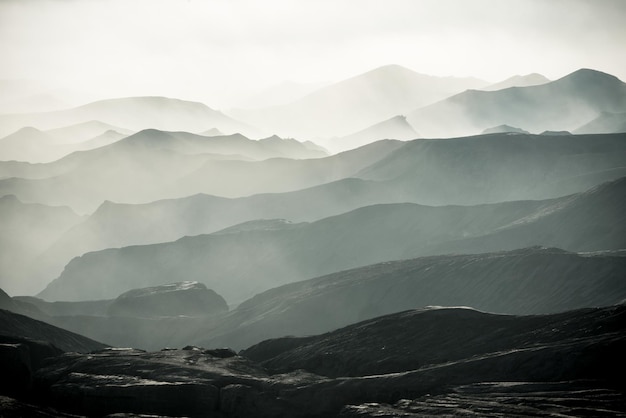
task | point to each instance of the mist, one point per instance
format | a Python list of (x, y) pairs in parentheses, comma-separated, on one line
[(312, 209)]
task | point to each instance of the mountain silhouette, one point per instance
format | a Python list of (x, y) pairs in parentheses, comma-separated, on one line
[(563, 104)]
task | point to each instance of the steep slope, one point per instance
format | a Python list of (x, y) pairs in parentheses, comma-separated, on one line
[(134, 113), (26, 230), (563, 104), (394, 128), (347, 106), (606, 122), (364, 236), (533, 79), (528, 281)]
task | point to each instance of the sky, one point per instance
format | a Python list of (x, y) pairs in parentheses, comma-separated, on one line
[(223, 51)]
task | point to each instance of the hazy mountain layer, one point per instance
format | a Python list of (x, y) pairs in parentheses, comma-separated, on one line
[(563, 104), (142, 167), (135, 113), (605, 123), (394, 128), (119, 225), (27, 230), (290, 252), (533, 79), (493, 168), (346, 107), (281, 254)]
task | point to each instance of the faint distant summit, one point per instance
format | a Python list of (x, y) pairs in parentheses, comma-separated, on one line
[(533, 79)]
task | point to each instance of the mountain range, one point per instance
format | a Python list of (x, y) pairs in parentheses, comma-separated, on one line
[(134, 113), (356, 103), (564, 104), (283, 252)]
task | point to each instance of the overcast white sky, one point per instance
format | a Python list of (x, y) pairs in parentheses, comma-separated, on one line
[(219, 51)]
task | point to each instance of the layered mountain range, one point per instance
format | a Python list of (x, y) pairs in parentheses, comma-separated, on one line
[(409, 245)]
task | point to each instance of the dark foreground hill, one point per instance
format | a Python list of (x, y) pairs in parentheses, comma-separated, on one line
[(564, 363)]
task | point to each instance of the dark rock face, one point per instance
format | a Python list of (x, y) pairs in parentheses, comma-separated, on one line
[(503, 399), (445, 361), (13, 408), (176, 299), (188, 382)]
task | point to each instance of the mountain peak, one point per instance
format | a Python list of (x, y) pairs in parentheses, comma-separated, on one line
[(589, 75)]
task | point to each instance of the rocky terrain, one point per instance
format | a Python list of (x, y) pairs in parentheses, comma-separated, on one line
[(430, 361)]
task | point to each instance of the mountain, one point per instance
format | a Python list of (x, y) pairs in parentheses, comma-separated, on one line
[(364, 236), (504, 129), (500, 167), (84, 131), (606, 122), (533, 79), (183, 298), (29, 144), (563, 104), (528, 281), (134, 113), (34, 146), (142, 167), (26, 230), (346, 107), (394, 128), (588, 221), (118, 225)]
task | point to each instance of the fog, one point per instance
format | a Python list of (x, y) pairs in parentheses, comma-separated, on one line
[(223, 53), (416, 180)]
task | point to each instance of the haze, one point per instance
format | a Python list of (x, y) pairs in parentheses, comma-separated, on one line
[(222, 53)]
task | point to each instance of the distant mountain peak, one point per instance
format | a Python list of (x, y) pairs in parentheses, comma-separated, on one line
[(588, 74)]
